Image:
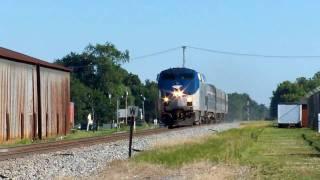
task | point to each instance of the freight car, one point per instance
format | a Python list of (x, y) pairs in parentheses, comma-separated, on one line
[(186, 99)]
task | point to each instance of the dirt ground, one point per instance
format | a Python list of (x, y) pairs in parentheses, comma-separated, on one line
[(201, 170)]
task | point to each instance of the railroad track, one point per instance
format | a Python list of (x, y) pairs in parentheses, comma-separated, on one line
[(21, 151)]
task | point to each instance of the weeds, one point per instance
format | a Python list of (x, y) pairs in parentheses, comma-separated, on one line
[(270, 152)]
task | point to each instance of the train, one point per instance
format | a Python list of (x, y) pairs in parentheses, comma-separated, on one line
[(185, 98)]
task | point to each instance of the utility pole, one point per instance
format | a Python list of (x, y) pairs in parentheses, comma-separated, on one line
[(93, 120), (184, 56), (127, 106), (248, 110), (144, 116), (143, 99), (117, 114), (112, 122), (109, 95)]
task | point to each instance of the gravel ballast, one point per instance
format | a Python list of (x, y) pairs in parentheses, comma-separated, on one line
[(88, 161)]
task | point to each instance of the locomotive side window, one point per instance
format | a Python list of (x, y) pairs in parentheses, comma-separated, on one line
[(204, 79), (199, 76)]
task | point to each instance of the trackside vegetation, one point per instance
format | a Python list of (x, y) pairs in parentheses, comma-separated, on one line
[(268, 151), (239, 104), (292, 91), (99, 80)]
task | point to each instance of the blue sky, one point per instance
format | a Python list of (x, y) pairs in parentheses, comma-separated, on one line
[(51, 29)]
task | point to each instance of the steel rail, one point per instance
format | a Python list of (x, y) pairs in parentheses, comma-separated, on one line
[(21, 151)]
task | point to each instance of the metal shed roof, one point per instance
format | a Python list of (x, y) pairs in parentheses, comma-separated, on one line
[(312, 92), (19, 57)]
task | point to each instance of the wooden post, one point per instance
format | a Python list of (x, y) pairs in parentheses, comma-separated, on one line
[(47, 121), (22, 126), (131, 122), (58, 124), (8, 126)]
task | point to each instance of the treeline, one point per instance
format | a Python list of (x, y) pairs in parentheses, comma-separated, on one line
[(98, 81), (242, 107), (288, 92)]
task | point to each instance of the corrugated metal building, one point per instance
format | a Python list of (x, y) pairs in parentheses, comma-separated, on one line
[(34, 96), (312, 99), (313, 110)]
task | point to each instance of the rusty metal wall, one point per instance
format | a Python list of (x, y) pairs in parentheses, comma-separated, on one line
[(17, 100), (55, 98), (304, 120), (71, 114)]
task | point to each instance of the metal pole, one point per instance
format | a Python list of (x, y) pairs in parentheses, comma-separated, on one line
[(144, 117), (248, 110), (117, 115), (39, 104), (93, 119), (183, 57), (109, 95), (126, 107), (131, 122)]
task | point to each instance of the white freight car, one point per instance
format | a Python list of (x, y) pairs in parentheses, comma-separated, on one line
[(289, 114)]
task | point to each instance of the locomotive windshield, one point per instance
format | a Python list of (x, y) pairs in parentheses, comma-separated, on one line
[(188, 76), (171, 76), (168, 76)]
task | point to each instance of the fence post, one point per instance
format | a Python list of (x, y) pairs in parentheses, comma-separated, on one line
[(8, 126), (58, 124), (22, 126)]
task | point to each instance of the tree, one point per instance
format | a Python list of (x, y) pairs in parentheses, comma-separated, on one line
[(289, 92), (286, 92), (80, 98), (97, 75), (151, 93), (239, 104)]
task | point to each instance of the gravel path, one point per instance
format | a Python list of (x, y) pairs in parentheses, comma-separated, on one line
[(87, 161)]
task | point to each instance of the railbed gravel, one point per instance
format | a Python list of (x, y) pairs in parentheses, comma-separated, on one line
[(88, 161)]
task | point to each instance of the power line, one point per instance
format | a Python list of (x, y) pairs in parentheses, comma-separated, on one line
[(138, 57), (156, 53), (250, 54), (83, 66), (210, 51)]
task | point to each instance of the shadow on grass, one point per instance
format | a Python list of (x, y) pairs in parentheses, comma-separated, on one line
[(310, 142), (296, 154)]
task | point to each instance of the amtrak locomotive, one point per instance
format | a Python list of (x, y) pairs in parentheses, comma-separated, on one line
[(186, 99)]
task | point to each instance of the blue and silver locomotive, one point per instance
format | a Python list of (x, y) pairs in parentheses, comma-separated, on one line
[(186, 99)]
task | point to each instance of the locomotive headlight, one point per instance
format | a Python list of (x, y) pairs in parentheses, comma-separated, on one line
[(166, 99), (177, 93), (189, 99)]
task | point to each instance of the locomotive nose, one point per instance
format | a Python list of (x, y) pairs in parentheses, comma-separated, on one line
[(177, 91)]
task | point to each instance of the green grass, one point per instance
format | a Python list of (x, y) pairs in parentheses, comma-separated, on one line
[(77, 134), (270, 152)]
